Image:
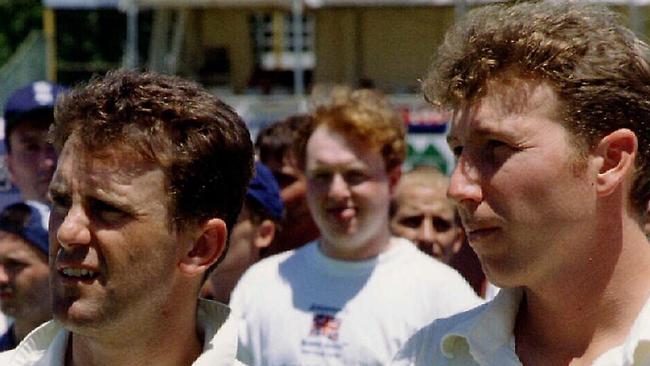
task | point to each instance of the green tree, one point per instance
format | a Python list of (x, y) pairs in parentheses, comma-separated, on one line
[(17, 19)]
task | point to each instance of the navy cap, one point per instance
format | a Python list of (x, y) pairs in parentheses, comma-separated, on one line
[(39, 95), (264, 189), (28, 222)]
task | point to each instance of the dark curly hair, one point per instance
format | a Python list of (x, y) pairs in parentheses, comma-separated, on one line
[(201, 143)]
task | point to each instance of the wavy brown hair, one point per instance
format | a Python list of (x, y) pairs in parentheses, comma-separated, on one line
[(598, 68), (365, 116), (201, 143)]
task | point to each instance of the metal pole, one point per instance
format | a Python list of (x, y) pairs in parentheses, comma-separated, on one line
[(131, 56), (298, 43), (49, 29), (460, 7)]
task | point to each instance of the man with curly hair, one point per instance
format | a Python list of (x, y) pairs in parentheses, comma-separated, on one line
[(151, 176), (551, 133), (354, 296)]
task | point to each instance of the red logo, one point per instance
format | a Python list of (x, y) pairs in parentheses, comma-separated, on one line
[(325, 325)]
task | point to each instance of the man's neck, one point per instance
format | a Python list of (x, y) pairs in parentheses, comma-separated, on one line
[(167, 341), (573, 319), (22, 327), (372, 247)]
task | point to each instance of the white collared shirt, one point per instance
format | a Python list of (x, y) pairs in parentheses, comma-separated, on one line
[(484, 336), (47, 344)]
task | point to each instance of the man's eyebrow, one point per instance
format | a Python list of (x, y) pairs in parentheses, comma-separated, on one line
[(57, 188)]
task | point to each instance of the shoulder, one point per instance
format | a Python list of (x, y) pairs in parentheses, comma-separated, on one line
[(430, 272), (265, 277), (270, 265), (425, 347), (5, 357)]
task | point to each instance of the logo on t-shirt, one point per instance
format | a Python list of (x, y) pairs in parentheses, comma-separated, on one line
[(325, 325), (323, 337)]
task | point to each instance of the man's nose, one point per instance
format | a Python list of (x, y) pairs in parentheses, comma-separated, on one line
[(426, 232), (4, 275), (339, 188), (464, 187), (74, 228)]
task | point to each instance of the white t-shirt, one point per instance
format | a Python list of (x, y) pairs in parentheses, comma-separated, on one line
[(303, 308)]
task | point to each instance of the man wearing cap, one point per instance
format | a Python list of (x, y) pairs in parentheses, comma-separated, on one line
[(250, 237), (31, 160), (24, 274), (274, 148)]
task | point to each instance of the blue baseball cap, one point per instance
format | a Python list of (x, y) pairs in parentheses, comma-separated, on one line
[(264, 190), (37, 96), (28, 222)]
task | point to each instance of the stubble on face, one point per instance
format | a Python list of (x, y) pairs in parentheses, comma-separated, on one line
[(120, 202), (534, 193)]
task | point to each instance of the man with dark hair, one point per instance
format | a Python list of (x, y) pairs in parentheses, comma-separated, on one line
[(355, 295), (550, 128), (31, 159), (24, 273), (274, 147), (251, 235), (152, 173)]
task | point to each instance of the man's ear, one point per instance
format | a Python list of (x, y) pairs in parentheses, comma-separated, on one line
[(208, 247), (617, 153), (393, 178), (264, 234)]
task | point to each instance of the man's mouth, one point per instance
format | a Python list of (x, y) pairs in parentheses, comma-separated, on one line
[(78, 273), (342, 212), (5, 294), (480, 233)]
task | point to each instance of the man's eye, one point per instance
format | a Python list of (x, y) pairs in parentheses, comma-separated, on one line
[(60, 202), (33, 147), (411, 221), (354, 178), (107, 212), (14, 265), (498, 150), (442, 225), (284, 180), (321, 176)]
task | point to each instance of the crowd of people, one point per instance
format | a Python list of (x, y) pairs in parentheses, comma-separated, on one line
[(153, 231)]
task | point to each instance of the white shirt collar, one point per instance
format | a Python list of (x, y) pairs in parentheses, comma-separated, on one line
[(46, 345), (488, 335)]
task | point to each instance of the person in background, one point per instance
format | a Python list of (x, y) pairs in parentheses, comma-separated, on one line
[(24, 271), (31, 159), (421, 212), (151, 175), (250, 236), (355, 295), (551, 103), (274, 148)]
